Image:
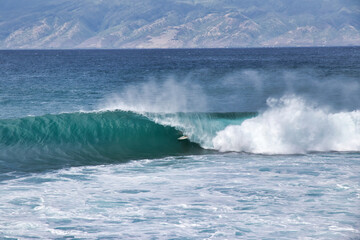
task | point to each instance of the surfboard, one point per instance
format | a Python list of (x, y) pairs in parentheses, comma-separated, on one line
[(183, 138)]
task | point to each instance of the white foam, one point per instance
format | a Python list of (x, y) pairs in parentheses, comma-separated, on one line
[(291, 125), (197, 197)]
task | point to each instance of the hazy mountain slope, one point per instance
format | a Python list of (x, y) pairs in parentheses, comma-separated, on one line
[(174, 24)]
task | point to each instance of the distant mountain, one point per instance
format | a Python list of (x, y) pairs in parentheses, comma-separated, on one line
[(177, 23)]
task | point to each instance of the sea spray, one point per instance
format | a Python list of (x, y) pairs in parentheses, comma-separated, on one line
[(167, 96), (291, 125), (248, 89)]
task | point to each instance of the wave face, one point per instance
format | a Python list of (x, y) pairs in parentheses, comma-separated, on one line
[(72, 139), (290, 126)]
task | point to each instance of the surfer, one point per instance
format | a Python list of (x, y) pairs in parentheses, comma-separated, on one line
[(183, 138)]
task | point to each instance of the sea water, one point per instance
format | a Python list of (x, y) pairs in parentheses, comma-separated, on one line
[(89, 144)]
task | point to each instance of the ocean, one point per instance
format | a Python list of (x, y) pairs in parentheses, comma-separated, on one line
[(89, 144)]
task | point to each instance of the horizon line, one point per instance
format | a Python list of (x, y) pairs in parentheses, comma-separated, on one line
[(190, 48)]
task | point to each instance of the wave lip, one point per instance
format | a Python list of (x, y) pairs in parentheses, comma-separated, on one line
[(292, 126)]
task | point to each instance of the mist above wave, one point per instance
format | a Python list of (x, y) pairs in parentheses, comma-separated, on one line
[(158, 96)]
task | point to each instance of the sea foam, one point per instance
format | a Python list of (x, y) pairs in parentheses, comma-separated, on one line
[(291, 125)]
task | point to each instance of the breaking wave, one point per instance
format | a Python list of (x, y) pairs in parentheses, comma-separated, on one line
[(291, 125), (72, 139)]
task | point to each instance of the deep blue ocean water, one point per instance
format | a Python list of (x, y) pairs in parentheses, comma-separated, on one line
[(89, 144)]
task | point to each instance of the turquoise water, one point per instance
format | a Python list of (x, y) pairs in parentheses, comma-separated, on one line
[(89, 144)]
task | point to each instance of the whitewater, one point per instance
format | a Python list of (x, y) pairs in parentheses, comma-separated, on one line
[(89, 144)]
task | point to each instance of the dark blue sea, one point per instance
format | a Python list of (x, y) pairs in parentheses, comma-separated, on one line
[(90, 149)]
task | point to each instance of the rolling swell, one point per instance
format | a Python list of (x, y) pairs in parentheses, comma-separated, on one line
[(72, 139)]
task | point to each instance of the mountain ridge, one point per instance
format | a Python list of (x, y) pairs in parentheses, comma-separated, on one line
[(65, 24)]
